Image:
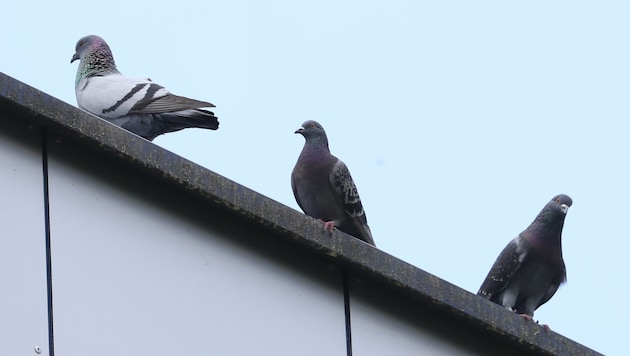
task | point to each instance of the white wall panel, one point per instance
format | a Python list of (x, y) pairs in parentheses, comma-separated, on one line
[(386, 323), (23, 296), (142, 270), (375, 332)]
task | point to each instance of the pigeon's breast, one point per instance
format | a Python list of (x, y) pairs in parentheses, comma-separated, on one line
[(315, 194)]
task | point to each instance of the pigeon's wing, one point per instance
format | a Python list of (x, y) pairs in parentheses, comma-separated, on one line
[(504, 269), (166, 103), (549, 293), (346, 191), (347, 196), (553, 287), (115, 95)]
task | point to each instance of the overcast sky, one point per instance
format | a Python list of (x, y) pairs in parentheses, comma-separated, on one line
[(459, 120)]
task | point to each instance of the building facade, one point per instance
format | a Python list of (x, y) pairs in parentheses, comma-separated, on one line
[(111, 245)]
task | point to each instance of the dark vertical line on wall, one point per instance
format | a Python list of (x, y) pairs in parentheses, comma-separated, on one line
[(346, 305), (51, 334)]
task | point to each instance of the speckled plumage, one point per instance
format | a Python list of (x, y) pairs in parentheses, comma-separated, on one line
[(530, 269), (138, 105), (323, 186)]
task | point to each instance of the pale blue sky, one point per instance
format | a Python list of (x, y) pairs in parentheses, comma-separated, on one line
[(459, 120)]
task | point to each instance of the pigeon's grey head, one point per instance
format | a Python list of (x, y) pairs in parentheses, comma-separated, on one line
[(556, 209), (89, 44), (561, 201), (311, 129)]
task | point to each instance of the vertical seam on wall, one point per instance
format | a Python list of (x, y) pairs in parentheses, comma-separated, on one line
[(51, 344), (346, 305)]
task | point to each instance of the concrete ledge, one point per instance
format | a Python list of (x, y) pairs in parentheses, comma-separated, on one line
[(32, 107)]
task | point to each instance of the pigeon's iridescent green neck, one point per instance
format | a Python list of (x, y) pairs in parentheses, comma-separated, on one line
[(94, 63)]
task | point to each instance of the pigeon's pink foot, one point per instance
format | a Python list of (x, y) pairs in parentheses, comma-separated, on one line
[(329, 225), (527, 317)]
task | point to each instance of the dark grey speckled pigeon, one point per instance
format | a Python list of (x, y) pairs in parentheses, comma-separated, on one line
[(530, 269), (138, 105), (323, 187)]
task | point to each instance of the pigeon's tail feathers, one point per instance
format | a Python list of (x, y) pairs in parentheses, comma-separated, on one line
[(365, 234), (357, 228), (151, 126), (179, 120)]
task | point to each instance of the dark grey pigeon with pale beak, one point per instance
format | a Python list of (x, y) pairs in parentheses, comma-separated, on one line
[(530, 269), (138, 105), (323, 187)]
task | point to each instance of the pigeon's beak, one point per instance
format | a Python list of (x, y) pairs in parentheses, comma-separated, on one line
[(74, 57), (300, 130), (564, 208)]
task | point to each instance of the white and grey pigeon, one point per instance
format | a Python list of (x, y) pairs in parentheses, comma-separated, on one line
[(530, 269), (138, 105), (323, 187)]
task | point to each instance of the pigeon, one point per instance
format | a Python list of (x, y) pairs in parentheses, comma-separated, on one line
[(530, 268), (323, 187), (137, 105)]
